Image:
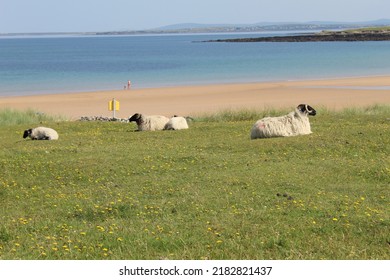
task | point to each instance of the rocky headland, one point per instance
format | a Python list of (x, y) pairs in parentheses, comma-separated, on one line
[(324, 36)]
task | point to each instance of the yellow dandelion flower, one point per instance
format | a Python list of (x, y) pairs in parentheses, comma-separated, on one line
[(335, 219), (219, 241), (100, 228)]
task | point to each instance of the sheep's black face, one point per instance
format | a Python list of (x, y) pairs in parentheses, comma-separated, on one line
[(27, 133), (307, 109), (135, 117)]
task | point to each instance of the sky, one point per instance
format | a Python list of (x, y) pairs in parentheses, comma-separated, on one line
[(20, 16)]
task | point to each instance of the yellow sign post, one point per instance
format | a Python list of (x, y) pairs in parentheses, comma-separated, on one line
[(113, 106)]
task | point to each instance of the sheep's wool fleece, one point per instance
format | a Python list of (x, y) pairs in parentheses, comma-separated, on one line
[(292, 124), (176, 123), (152, 123), (44, 133)]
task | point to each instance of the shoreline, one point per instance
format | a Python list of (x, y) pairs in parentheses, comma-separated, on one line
[(336, 93), (352, 35)]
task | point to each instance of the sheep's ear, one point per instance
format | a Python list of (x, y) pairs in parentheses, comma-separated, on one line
[(302, 108)]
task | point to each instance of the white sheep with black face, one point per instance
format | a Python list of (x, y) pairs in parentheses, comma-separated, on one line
[(149, 123), (41, 133), (293, 124)]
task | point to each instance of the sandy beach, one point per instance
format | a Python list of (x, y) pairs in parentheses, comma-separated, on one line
[(193, 100)]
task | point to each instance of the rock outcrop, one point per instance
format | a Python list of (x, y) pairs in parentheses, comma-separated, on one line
[(325, 36)]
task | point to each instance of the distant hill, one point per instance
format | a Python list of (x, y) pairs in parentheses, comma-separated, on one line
[(266, 26), (181, 26), (236, 28)]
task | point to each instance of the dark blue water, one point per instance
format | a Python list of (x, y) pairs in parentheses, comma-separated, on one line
[(64, 64)]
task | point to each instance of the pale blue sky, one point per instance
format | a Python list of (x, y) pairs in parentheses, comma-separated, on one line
[(109, 15)]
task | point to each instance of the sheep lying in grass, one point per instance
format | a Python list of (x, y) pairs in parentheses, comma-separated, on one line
[(41, 133), (149, 123), (292, 124), (176, 123)]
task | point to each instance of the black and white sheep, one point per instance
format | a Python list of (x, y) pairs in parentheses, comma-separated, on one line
[(176, 123), (293, 124), (149, 123), (41, 133)]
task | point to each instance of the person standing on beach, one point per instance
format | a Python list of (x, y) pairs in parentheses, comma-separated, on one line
[(128, 84)]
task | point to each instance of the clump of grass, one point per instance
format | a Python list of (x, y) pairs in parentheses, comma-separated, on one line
[(377, 109), (232, 115), (14, 117)]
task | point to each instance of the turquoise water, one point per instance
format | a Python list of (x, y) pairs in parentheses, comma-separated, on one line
[(38, 65)]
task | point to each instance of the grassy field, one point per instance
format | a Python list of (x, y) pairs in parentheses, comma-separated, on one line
[(103, 191), (360, 30)]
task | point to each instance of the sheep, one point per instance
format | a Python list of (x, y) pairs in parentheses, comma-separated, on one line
[(41, 133), (149, 123), (293, 124), (176, 123)]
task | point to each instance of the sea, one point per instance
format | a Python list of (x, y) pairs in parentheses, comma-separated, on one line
[(31, 65)]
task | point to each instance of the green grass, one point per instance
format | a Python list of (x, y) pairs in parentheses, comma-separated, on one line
[(367, 29), (103, 191), (13, 117), (360, 30)]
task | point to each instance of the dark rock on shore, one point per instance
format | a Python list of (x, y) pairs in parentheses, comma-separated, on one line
[(319, 37), (101, 119)]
